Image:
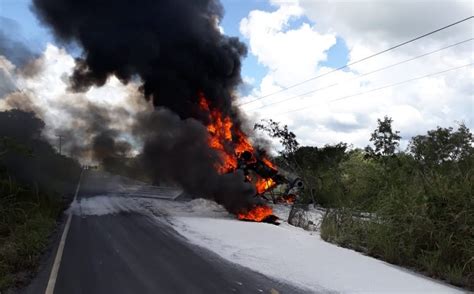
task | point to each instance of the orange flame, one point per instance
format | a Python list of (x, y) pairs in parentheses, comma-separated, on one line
[(263, 185), (257, 214), (243, 143), (269, 163), (289, 199), (220, 132), (231, 142)]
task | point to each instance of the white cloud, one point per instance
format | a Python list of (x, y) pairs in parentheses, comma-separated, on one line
[(375, 21), (46, 93), (6, 78), (367, 27), (278, 47)]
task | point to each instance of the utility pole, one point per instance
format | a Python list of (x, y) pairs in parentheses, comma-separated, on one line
[(60, 142)]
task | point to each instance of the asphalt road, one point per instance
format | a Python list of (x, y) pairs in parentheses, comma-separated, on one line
[(132, 253)]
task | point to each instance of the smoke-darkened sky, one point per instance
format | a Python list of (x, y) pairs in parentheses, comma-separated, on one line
[(286, 45)]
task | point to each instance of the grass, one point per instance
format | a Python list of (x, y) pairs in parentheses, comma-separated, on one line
[(27, 218), (444, 261), (28, 211), (413, 208), (421, 217)]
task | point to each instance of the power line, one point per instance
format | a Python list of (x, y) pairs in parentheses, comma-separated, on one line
[(365, 74), (360, 60), (60, 143), (380, 88)]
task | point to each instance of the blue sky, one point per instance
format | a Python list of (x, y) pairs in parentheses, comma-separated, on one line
[(236, 10), (27, 29), (423, 105)]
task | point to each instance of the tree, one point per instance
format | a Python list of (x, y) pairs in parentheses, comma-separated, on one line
[(29, 159), (8, 144), (318, 167), (3, 146), (385, 140), (443, 145), (290, 148), (286, 137)]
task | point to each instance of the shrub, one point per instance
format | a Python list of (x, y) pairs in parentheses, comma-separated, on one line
[(422, 210)]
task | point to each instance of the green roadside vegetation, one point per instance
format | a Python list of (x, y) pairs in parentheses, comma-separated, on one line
[(412, 207), (35, 182)]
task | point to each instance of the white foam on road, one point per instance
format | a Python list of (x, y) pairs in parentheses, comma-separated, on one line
[(299, 257), (114, 204), (283, 252), (103, 205)]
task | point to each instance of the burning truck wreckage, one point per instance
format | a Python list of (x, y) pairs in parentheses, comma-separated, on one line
[(190, 73), (239, 155)]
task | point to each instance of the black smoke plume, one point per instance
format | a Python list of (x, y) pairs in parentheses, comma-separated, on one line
[(174, 46), (92, 135), (177, 150), (178, 52)]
